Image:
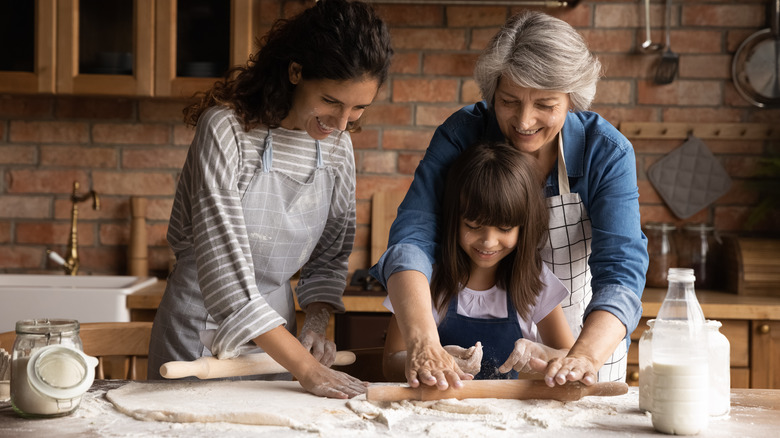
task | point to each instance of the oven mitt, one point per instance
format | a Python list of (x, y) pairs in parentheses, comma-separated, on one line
[(689, 178)]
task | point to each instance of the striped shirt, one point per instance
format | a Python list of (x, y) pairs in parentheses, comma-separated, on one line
[(208, 220)]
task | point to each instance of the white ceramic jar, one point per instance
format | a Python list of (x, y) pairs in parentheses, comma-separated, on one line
[(49, 371)]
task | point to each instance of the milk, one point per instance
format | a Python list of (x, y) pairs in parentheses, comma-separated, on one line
[(680, 397)]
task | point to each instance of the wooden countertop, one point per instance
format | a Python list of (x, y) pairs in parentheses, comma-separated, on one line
[(754, 413), (715, 304)]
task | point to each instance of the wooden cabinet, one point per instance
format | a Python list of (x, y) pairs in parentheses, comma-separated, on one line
[(126, 47), (28, 46), (765, 354)]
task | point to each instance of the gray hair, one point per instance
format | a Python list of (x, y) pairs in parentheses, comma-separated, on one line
[(538, 51)]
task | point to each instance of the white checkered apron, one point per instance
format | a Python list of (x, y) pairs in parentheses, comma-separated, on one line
[(566, 254)]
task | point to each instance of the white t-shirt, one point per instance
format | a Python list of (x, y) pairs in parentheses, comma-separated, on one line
[(492, 303)]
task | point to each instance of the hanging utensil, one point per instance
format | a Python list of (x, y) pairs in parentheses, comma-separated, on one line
[(756, 65), (648, 46), (667, 67)]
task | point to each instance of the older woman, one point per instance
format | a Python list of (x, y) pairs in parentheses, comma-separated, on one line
[(538, 78)]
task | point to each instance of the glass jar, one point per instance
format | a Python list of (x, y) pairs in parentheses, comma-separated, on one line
[(697, 250), (720, 369), (661, 250), (49, 371), (646, 368), (681, 375)]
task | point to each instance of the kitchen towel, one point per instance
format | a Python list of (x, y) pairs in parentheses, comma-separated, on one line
[(689, 178)]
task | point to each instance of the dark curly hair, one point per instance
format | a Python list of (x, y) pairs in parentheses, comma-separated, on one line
[(334, 39)]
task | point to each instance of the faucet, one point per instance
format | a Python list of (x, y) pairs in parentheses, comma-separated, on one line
[(71, 264)]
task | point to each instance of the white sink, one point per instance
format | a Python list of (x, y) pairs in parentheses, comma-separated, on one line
[(99, 298)]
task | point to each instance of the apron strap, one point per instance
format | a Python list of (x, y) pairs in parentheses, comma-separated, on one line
[(268, 154), (319, 154), (563, 176)]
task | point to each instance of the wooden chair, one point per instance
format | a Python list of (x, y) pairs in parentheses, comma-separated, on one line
[(121, 347)]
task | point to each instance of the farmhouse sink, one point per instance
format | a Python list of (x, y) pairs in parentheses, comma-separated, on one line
[(99, 298)]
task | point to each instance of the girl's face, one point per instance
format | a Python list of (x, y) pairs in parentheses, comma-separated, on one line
[(323, 105), (530, 119), (486, 245)]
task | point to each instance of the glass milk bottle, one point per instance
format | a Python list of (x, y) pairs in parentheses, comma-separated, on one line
[(646, 368), (720, 369), (681, 376)]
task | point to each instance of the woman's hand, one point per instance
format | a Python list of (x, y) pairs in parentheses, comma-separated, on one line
[(566, 369), (524, 352), (468, 359), (430, 364), (312, 335), (325, 382)]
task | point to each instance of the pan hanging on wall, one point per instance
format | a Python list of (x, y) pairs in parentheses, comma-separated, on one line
[(756, 65)]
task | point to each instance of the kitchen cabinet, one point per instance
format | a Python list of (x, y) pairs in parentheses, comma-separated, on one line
[(27, 61), (126, 47), (765, 354)]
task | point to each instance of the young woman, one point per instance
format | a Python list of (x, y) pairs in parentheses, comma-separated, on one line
[(268, 190), (494, 301)]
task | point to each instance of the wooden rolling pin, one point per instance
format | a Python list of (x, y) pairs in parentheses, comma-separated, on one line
[(246, 365), (515, 389)]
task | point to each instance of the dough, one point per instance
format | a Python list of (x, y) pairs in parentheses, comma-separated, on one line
[(271, 403)]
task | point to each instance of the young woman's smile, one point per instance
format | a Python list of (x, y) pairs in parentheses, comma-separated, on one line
[(321, 106)]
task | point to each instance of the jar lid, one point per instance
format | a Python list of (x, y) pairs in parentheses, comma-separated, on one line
[(47, 326), (681, 274), (61, 372), (662, 226)]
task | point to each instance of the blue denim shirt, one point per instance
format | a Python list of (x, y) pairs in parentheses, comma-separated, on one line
[(601, 167)]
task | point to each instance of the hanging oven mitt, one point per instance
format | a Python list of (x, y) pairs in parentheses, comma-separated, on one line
[(689, 178)]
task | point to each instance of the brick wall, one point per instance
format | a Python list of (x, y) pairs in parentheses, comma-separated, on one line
[(126, 147)]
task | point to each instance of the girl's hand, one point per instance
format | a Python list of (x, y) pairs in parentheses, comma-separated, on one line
[(566, 369), (325, 382), (468, 359), (525, 351), (312, 335)]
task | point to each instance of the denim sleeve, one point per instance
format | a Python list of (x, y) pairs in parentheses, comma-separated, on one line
[(619, 258)]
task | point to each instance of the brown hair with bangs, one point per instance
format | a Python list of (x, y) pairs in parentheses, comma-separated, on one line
[(493, 184)]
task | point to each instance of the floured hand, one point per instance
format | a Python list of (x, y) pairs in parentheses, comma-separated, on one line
[(468, 359), (326, 382), (524, 352), (431, 365), (312, 335)]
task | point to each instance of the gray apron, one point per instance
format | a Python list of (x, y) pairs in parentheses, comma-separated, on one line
[(566, 253), (284, 221)]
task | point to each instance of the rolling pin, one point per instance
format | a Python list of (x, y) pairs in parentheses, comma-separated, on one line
[(514, 389), (247, 365)]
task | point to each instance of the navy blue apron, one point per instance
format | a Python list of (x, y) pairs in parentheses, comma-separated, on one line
[(498, 336)]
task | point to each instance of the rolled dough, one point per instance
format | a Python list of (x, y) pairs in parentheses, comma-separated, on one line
[(270, 403)]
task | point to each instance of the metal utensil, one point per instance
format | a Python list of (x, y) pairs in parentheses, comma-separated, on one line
[(667, 66), (648, 46), (756, 65)]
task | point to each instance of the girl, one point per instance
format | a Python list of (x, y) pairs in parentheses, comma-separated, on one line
[(268, 189), (493, 298)]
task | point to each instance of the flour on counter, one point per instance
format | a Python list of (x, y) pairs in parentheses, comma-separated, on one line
[(284, 409)]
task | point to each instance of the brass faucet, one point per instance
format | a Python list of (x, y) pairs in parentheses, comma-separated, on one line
[(71, 262)]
